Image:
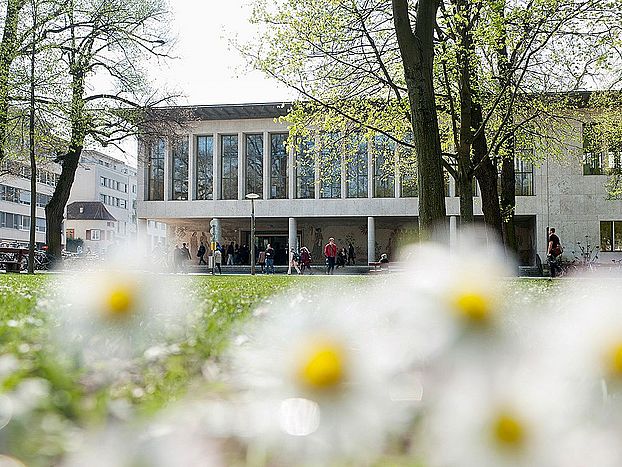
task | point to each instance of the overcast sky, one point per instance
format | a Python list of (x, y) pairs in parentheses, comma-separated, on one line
[(208, 70)]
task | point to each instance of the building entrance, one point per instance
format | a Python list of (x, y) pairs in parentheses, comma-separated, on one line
[(278, 242)]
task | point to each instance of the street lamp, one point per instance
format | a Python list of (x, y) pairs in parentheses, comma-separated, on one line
[(252, 197)]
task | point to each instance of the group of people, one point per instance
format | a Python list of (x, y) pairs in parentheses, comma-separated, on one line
[(233, 254)]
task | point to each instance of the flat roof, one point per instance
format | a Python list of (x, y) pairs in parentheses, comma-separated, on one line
[(225, 111)]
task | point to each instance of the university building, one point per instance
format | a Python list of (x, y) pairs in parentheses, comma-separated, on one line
[(200, 178)]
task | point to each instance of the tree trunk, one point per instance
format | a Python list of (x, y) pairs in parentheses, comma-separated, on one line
[(55, 209), (465, 191), (417, 51), (508, 199), (487, 177), (8, 49)]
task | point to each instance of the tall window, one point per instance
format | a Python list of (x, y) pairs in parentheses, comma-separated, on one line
[(180, 168), (357, 168), (593, 153), (611, 236), (229, 157), (409, 184), (305, 170), (384, 167), (254, 164), (523, 173), (205, 167), (330, 166), (278, 166), (155, 184)]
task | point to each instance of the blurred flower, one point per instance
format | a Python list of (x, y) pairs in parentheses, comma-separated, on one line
[(490, 417), (119, 311), (324, 379)]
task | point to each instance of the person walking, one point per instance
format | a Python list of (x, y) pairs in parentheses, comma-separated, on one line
[(218, 260), (554, 253), (261, 260), (294, 259), (305, 260), (230, 253), (269, 259), (176, 259), (201, 254), (351, 254), (185, 256), (330, 252)]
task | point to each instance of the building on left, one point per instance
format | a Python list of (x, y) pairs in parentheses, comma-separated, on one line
[(15, 199)]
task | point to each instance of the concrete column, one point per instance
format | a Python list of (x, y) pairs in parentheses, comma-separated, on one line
[(241, 166), (371, 239), (192, 168), (217, 168), (141, 234), (344, 177), (453, 231), (291, 174), (215, 225), (168, 173), (370, 169), (267, 144), (293, 234), (398, 176)]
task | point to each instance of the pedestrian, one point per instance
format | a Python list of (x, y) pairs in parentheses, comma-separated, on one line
[(269, 259), (351, 254), (261, 259), (294, 259), (218, 260), (236, 254), (342, 257), (176, 259), (305, 260), (554, 253), (330, 253), (201, 254), (384, 261), (230, 252), (185, 256)]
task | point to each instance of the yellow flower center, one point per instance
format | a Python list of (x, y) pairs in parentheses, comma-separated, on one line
[(508, 431), (614, 360), (120, 301), (322, 367), (473, 306)]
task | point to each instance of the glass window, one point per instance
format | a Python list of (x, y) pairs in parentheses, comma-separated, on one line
[(254, 164), (278, 166), (357, 168), (330, 166), (617, 236), (205, 167), (156, 170), (606, 236), (305, 170), (229, 157), (409, 185), (384, 167), (593, 154), (40, 225), (523, 174), (180, 168)]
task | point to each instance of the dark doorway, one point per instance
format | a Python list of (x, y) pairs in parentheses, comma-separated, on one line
[(526, 240), (277, 240)]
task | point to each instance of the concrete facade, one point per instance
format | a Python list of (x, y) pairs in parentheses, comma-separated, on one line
[(560, 196), (113, 182)]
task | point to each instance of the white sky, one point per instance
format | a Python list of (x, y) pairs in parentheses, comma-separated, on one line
[(208, 70)]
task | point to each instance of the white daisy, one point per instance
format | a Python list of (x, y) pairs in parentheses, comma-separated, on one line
[(118, 312), (325, 376)]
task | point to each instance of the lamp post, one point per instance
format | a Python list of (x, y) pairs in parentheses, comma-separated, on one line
[(252, 197)]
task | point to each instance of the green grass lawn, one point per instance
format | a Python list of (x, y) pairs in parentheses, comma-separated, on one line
[(77, 398)]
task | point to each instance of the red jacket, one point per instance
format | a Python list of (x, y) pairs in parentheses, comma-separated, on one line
[(330, 251)]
